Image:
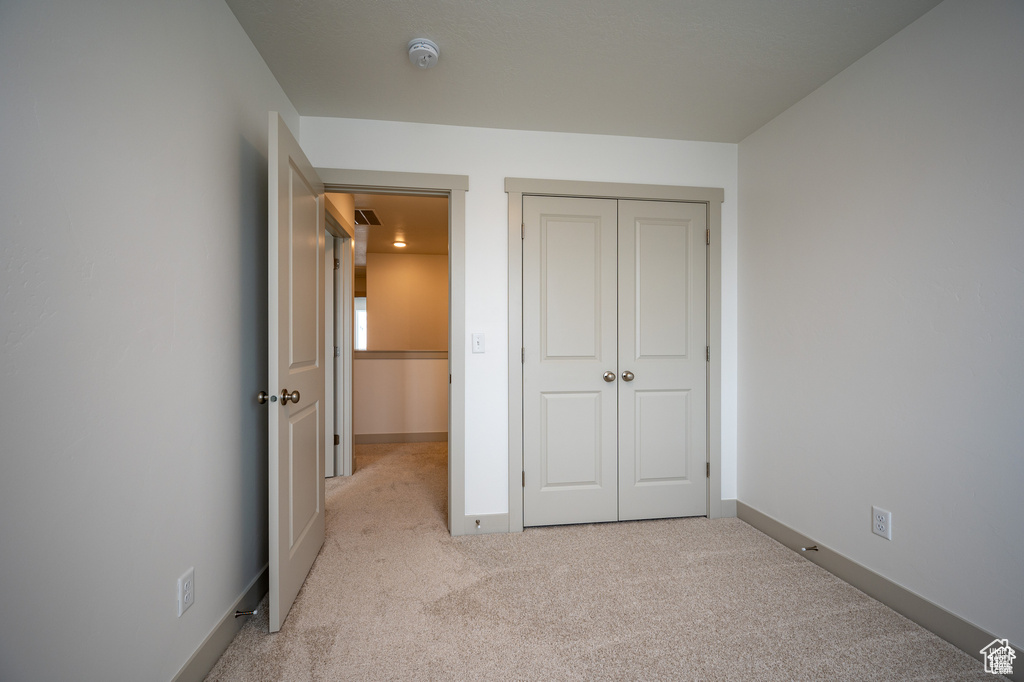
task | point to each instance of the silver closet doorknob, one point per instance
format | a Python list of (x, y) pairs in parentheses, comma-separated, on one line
[(286, 396), (609, 376), (627, 376)]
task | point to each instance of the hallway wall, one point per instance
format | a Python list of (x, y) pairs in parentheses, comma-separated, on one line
[(399, 396)]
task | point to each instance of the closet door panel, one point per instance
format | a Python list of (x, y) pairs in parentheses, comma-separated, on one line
[(569, 330), (662, 338)]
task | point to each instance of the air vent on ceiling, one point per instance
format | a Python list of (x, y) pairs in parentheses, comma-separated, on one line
[(366, 216)]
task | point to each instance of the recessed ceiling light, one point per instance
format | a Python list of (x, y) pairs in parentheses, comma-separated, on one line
[(400, 244)]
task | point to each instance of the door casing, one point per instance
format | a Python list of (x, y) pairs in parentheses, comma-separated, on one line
[(338, 332), (712, 197)]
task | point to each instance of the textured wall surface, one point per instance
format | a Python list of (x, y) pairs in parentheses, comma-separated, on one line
[(132, 331), (880, 327)]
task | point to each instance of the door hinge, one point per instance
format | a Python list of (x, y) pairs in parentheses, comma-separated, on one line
[(449, 378), (709, 470), (337, 264), (337, 439), (524, 479), (708, 235), (337, 351), (522, 355), (522, 231), (707, 353)]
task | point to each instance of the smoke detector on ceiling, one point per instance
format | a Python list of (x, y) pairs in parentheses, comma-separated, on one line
[(423, 53)]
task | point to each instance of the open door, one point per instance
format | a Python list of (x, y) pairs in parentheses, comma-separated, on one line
[(296, 367)]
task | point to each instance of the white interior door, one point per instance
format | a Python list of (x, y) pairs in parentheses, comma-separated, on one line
[(614, 369), (662, 362), (297, 367), (569, 329), (569, 338)]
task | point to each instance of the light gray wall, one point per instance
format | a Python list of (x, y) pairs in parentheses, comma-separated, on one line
[(133, 312), (881, 312)]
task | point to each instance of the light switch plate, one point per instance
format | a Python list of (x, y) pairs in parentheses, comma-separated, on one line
[(478, 343)]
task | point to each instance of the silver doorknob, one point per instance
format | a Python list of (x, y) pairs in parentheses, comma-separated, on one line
[(286, 396), (609, 376), (262, 397), (627, 376)]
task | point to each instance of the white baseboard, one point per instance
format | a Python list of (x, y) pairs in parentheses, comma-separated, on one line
[(481, 524), (217, 642), (960, 633), (729, 509)]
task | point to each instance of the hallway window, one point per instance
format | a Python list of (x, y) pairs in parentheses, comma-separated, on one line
[(360, 343)]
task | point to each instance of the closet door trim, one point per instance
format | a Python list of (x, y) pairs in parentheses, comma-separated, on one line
[(712, 197)]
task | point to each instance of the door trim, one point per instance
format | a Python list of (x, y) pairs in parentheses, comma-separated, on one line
[(337, 332), (712, 197), (341, 235), (455, 188)]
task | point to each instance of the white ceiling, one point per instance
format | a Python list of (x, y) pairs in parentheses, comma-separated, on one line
[(713, 70)]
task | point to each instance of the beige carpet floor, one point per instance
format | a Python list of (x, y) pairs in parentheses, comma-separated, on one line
[(393, 597)]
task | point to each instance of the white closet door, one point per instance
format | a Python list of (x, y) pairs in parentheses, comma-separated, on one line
[(662, 343), (569, 330)]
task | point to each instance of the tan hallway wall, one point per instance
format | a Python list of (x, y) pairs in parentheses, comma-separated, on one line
[(407, 310)]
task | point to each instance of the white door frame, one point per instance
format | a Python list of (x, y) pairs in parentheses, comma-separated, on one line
[(330, 394), (712, 197), (455, 188), (343, 331), (338, 332)]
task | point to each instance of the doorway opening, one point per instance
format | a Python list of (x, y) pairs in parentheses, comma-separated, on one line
[(400, 353), (454, 187), (401, 388)]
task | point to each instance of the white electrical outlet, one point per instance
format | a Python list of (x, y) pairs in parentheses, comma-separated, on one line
[(881, 522), (186, 590)]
